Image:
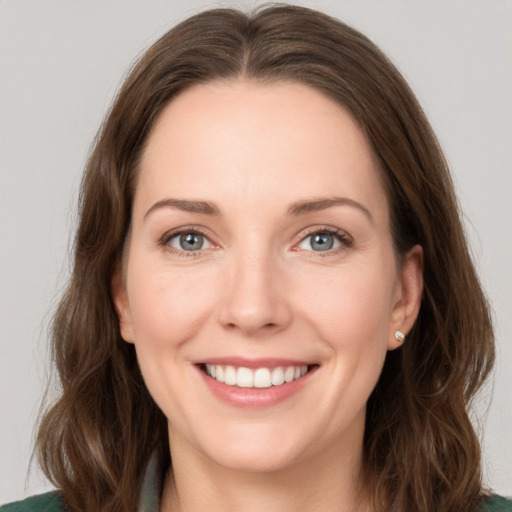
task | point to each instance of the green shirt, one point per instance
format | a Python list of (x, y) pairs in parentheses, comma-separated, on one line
[(50, 502), (150, 497)]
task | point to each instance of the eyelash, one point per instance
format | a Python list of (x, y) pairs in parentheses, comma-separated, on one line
[(185, 230), (343, 238)]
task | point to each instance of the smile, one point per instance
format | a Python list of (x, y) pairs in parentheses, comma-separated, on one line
[(254, 378), (255, 384)]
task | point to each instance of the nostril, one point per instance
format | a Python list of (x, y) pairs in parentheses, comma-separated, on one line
[(246, 327)]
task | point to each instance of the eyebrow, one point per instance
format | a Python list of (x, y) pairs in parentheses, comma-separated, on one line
[(186, 205), (295, 209), (315, 205)]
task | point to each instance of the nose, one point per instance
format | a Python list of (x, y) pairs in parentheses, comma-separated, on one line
[(255, 301)]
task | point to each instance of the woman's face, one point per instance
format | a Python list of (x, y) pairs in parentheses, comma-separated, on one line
[(260, 252)]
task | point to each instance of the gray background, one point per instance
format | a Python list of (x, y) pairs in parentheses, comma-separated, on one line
[(61, 63)]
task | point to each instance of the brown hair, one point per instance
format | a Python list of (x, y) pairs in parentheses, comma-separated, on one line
[(420, 450)]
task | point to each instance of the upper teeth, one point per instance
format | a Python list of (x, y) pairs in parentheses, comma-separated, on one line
[(258, 378)]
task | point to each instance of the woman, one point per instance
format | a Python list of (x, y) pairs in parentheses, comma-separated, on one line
[(263, 288)]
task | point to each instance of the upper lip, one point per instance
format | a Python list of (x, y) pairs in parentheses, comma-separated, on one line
[(266, 362)]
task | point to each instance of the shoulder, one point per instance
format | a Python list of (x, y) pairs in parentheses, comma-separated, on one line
[(495, 503), (49, 502)]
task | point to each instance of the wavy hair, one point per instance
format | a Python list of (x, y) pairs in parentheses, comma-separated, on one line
[(420, 449)]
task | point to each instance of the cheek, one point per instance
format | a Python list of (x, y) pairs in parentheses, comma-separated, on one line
[(351, 308), (169, 307), (168, 310)]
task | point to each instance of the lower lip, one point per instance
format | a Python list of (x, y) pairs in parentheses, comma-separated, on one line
[(255, 397)]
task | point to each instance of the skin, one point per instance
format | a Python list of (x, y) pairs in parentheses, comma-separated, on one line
[(257, 289)]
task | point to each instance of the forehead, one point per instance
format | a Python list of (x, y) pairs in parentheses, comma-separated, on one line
[(243, 141)]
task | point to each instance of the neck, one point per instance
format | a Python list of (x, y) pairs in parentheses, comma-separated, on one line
[(330, 482)]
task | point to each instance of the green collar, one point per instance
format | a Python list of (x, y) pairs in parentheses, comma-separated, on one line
[(151, 486)]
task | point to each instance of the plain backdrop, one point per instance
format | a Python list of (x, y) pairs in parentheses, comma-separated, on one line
[(60, 65)]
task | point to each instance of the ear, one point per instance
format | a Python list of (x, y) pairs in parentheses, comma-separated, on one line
[(408, 295), (120, 298)]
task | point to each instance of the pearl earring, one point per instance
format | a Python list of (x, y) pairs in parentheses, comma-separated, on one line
[(399, 336)]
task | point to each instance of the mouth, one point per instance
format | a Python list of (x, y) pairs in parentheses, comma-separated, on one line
[(259, 378)]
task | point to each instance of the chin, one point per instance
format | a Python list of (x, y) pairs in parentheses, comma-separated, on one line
[(256, 448), (258, 458)]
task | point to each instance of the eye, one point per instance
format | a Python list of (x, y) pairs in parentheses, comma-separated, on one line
[(324, 240), (189, 241)]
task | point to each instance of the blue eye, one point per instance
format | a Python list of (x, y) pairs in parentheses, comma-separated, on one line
[(189, 241), (322, 241)]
